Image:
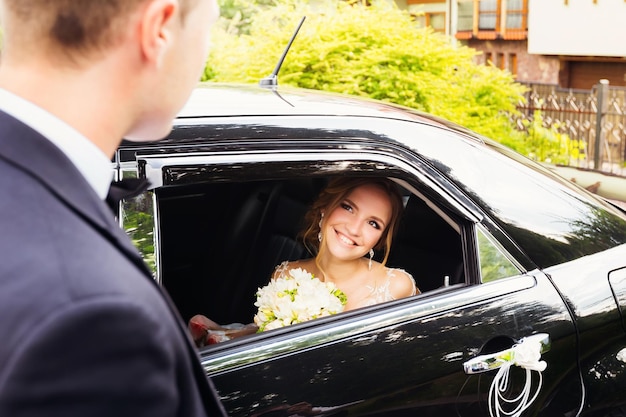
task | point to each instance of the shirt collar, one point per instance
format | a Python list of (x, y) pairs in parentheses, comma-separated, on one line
[(92, 163)]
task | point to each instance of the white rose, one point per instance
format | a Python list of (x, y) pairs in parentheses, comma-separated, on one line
[(528, 354), (300, 274), (273, 325)]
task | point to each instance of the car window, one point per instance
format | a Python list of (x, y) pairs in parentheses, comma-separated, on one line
[(137, 218), (138, 221), (214, 231), (218, 242), (427, 246), (552, 220), (494, 264)]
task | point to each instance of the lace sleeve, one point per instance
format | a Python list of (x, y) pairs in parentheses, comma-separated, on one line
[(281, 270), (410, 277), (415, 289)]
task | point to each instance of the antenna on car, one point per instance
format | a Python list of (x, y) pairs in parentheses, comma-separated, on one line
[(272, 79)]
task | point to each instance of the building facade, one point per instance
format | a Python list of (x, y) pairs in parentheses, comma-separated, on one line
[(572, 43)]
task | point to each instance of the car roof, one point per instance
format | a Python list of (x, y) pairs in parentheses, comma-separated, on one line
[(219, 100), (527, 201)]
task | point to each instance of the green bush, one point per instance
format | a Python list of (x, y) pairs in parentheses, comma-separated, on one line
[(548, 144), (374, 51), (237, 15)]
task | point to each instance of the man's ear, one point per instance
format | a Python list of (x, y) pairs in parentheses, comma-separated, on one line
[(156, 29)]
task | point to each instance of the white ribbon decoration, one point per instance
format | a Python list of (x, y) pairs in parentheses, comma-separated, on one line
[(526, 354)]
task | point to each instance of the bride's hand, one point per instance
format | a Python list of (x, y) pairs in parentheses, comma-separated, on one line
[(205, 331), (199, 327)]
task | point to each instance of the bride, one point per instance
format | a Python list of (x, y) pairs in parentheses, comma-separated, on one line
[(351, 219)]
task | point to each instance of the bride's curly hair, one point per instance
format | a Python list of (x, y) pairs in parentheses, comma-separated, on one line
[(335, 193)]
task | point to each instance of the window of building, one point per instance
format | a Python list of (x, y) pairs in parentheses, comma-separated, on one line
[(485, 19), (488, 14), (488, 58), (466, 16), (500, 62), (512, 64), (435, 20), (516, 12)]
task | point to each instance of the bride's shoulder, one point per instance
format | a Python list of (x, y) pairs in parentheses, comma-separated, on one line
[(283, 268), (402, 284)]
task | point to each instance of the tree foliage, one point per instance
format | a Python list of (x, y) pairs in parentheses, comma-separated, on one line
[(375, 51), (548, 144)]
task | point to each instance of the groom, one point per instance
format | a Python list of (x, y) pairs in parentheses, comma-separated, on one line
[(84, 329)]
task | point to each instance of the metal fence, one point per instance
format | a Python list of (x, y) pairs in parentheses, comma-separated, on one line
[(581, 114)]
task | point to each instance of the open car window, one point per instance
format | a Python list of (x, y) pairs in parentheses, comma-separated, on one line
[(220, 242), (215, 235)]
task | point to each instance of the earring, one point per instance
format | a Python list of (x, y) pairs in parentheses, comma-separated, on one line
[(319, 234), (369, 264)]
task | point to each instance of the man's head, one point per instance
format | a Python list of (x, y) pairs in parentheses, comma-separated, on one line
[(140, 58), (74, 29)]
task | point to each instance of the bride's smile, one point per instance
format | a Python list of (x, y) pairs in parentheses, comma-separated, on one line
[(357, 223), (344, 239)]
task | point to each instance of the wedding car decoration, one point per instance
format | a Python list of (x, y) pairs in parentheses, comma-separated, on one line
[(295, 298), (525, 354)]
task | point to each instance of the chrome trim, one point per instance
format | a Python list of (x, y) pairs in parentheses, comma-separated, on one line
[(488, 362), (121, 168), (333, 330), (132, 166), (157, 240), (153, 166)]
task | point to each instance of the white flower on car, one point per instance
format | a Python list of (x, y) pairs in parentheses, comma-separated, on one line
[(528, 354), (525, 354), (296, 298)]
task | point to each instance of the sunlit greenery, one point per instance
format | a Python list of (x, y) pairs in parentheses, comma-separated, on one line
[(375, 51), (493, 264), (548, 144), (138, 222)]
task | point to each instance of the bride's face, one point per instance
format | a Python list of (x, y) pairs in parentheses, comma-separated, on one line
[(357, 224)]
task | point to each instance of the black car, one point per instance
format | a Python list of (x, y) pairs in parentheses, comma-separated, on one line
[(502, 250)]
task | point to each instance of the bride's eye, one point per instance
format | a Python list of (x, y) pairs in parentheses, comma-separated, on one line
[(374, 224), (347, 207)]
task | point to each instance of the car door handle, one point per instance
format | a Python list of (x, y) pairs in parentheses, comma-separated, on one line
[(487, 362)]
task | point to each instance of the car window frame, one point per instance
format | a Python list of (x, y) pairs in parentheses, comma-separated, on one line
[(161, 169), (251, 349)]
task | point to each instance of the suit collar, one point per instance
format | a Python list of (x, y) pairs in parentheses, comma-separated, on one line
[(31, 152), (93, 164)]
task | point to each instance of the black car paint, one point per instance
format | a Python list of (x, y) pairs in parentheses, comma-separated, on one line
[(414, 365), (412, 361)]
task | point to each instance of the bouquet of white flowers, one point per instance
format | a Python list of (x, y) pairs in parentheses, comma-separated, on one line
[(296, 298)]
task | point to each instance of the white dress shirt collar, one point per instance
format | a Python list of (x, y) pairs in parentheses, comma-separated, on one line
[(95, 166)]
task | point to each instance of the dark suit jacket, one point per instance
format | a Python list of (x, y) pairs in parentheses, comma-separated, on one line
[(84, 329)]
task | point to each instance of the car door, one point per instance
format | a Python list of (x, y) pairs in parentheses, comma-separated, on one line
[(403, 358), (400, 358)]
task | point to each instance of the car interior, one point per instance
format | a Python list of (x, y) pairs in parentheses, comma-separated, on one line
[(221, 241)]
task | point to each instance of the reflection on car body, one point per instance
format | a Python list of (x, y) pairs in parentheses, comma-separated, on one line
[(500, 247)]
